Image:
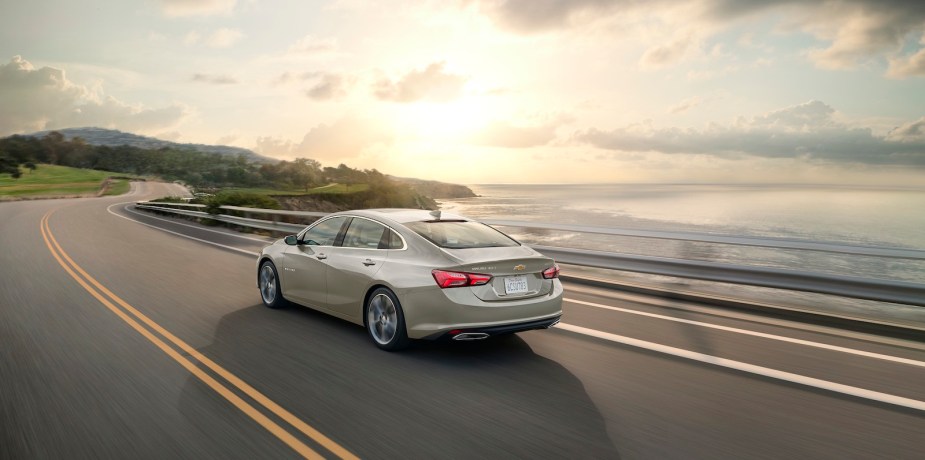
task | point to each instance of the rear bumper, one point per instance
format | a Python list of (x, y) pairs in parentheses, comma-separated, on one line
[(433, 312), (498, 330)]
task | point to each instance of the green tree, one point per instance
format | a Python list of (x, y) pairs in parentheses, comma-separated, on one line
[(305, 172), (9, 166)]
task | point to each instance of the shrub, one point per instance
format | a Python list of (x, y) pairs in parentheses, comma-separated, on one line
[(169, 199), (247, 200)]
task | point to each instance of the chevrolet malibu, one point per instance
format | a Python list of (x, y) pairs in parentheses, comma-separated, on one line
[(409, 274)]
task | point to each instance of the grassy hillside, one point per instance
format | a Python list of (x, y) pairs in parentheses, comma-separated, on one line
[(51, 180)]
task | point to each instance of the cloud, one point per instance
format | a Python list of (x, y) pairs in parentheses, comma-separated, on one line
[(911, 66), (224, 38), (860, 30), (37, 99), (220, 38), (324, 85), (533, 16), (686, 105), (432, 84), (329, 86), (664, 55), (178, 8), (807, 131), (214, 79), (803, 117), (505, 134), (313, 45), (912, 132), (287, 78), (854, 31), (345, 139), (274, 147)]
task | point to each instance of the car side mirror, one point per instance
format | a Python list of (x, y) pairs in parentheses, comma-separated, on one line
[(292, 240)]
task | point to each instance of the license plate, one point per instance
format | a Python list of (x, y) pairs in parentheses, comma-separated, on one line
[(515, 284)]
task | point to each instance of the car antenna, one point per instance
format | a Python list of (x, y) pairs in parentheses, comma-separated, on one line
[(436, 214)]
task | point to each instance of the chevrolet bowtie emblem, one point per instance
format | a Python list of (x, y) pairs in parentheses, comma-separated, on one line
[(520, 267)]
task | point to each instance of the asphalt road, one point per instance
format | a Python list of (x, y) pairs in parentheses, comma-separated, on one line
[(121, 340)]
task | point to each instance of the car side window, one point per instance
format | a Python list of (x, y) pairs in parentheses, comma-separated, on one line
[(364, 233), (325, 233), (390, 240)]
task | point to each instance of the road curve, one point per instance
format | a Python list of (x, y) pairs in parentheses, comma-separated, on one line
[(125, 335)]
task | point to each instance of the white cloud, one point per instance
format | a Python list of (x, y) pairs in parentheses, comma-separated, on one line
[(273, 147), (36, 99), (431, 84), (804, 117), (329, 86), (214, 79), (686, 105), (912, 132), (224, 38), (178, 8), (323, 85), (907, 66), (807, 131), (856, 34), (667, 54), (313, 45)]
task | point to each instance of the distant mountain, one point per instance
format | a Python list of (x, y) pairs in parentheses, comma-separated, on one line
[(114, 138)]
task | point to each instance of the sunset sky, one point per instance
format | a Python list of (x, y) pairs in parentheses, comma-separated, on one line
[(492, 91)]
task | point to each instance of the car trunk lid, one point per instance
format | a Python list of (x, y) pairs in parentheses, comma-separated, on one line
[(517, 272)]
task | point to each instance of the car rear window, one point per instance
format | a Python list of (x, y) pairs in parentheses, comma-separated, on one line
[(459, 234)]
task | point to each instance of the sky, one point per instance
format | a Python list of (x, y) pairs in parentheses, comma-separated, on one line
[(492, 91)]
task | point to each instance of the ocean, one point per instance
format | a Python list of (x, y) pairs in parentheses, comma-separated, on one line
[(869, 216)]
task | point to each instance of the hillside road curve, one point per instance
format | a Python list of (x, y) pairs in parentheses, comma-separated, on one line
[(129, 335)]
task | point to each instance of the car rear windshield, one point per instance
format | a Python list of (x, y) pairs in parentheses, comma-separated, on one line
[(461, 234)]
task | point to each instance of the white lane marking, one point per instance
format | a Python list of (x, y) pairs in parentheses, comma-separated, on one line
[(109, 209), (750, 368), (808, 343), (195, 226)]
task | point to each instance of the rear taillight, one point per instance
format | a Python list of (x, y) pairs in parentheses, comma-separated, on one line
[(551, 272), (447, 279)]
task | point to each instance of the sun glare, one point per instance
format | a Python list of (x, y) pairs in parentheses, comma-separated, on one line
[(452, 122)]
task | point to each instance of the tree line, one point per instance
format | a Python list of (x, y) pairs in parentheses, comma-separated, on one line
[(199, 169)]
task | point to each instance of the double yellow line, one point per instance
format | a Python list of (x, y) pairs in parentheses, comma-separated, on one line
[(132, 317)]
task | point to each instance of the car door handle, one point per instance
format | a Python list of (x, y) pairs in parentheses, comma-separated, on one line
[(368, 262), (321, 256)]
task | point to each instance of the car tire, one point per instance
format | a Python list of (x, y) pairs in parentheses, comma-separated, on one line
[(268, 284), (385, 320)]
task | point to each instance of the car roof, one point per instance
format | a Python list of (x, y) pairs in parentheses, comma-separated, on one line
[(402, 215)]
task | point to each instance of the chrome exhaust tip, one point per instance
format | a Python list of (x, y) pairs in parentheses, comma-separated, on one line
[(471, 336)]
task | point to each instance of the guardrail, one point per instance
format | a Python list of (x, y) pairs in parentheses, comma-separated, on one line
[(841, 285)]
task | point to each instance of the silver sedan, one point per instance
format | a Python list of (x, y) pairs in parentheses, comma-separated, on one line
[(411, 274)]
